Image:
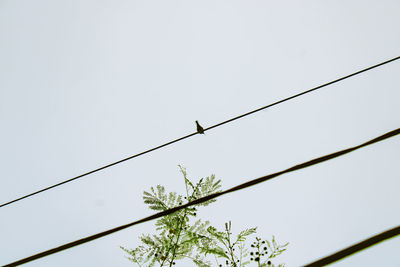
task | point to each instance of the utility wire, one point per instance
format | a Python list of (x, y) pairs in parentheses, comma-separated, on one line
[(204, 199), (206, 129), (356, 248)]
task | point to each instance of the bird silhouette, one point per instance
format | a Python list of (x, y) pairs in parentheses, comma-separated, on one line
[(200, 129)]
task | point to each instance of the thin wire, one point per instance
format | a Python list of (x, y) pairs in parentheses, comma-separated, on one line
[(305, 92), (206, 129), (356, 247), (96, 170), (204, 199)]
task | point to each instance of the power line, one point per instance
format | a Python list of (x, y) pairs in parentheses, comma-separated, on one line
[(206, 129), (204, 199), (305, 92), (356, 248)]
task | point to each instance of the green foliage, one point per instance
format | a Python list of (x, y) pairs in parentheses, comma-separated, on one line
[(224, 246), (263, 251), (180, 236)]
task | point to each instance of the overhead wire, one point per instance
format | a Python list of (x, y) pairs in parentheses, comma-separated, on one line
[(205, 198), (356, 248), (205, 129)]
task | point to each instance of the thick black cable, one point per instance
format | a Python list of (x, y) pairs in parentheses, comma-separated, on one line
[(203, 199), (356, 248), (206, 129)]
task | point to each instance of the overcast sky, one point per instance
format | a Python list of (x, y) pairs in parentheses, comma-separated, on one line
[(84, 83)]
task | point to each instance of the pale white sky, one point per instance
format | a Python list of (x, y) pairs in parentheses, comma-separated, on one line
[(86, 83)]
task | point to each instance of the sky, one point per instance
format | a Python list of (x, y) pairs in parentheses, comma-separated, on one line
[(86, 83)]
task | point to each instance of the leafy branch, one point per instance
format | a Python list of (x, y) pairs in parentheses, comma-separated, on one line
[(179, 236)]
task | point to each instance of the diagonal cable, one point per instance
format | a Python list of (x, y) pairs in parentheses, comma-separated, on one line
[(204, 199), (356, 247), (206, 129)]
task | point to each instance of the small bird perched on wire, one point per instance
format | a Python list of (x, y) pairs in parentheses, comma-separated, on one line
[(200, 129)]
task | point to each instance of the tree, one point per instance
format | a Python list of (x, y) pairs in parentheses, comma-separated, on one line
[(179, 238)]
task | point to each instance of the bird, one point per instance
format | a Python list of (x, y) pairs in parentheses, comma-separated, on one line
[(200, 129)]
